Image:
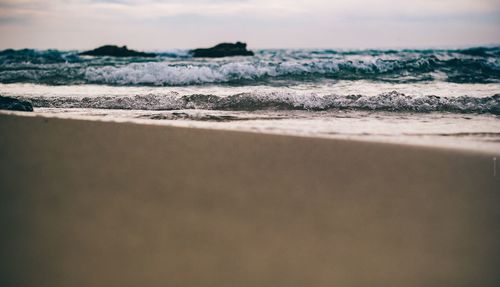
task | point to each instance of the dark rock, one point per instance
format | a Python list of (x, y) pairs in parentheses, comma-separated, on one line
[(115, 51), (7, 103), (223, 50)]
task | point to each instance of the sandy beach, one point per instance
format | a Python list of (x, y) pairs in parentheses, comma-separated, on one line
[(88, 203)]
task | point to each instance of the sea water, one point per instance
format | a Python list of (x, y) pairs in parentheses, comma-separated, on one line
[(436, 97)]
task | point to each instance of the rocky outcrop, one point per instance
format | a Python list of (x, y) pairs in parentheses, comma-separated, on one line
[(223, 50), (115, 51), (7, 103)]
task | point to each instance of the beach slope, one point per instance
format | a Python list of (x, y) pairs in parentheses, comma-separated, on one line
[(87, 203)]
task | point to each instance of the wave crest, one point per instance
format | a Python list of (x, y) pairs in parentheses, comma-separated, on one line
[(475, 65), (392, 101)]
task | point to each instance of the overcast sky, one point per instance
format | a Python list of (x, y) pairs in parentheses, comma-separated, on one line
[(160, 25)]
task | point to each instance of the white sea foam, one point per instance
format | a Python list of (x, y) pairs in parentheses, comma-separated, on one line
[(164, 73), (276, 100), (353, 67)]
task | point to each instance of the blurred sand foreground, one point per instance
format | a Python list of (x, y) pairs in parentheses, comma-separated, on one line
[(112, 204)]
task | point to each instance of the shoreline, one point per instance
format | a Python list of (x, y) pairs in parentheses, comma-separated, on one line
[(123, 204), (209, 126)]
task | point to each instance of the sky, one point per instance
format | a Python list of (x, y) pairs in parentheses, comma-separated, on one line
[(156, 25)]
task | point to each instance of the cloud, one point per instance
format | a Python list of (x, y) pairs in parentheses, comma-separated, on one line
[(268, 8), (300, 22), (7, 20)]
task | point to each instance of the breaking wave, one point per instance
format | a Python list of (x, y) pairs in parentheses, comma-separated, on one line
[(392, 101), (52, 67)]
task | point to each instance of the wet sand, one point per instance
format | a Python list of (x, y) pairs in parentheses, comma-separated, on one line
[(86, 203)]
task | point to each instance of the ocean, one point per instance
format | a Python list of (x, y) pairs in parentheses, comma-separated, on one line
[(436, 97)]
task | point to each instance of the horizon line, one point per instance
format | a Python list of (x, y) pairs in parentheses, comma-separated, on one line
[(398, 47)]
